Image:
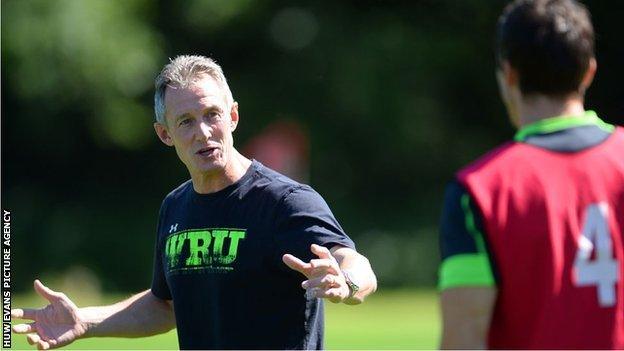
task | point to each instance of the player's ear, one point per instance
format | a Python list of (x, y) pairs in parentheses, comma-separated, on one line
[(510, 74), (234, 115), (507, 79), (588, 77), (163, 134)]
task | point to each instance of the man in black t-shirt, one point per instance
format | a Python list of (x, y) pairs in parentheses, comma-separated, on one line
[(219, 258), (232, 243)]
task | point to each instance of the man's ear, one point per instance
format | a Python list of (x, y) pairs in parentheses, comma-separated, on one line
[(163, 134), (508, 80), (510, 74), (234, 115), (588, 77)]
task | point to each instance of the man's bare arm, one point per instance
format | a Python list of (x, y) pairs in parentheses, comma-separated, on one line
[(61, 321), (325, 278), (466, 315), (140, 315), (359, 268)]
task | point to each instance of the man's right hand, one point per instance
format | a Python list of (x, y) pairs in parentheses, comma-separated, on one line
[(55, 325)]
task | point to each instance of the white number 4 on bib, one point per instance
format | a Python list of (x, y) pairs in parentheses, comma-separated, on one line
[(602, 271)]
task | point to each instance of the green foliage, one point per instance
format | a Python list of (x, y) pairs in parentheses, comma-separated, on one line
[(395, 95)]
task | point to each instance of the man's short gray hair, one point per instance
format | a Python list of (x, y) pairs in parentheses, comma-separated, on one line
[(181, 72)]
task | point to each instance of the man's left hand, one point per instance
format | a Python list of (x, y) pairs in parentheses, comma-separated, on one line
[(325, 279)]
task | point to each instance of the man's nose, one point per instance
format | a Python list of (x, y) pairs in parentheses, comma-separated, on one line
[(206, 131)]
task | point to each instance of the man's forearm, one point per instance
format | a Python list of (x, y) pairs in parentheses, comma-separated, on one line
[(360, 270), (140, 315), (466, 314)]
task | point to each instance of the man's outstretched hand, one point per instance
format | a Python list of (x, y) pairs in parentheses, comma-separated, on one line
[(325, 279), (55, 325)]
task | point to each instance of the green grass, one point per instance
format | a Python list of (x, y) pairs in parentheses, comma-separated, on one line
[(402, 319)]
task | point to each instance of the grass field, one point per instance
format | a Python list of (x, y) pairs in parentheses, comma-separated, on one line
[(400, 319)]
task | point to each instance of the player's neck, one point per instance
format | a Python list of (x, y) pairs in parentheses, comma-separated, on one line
[(212, 182), (534, 108)]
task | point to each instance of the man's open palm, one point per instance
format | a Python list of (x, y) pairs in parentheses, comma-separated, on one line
[(55, 325)]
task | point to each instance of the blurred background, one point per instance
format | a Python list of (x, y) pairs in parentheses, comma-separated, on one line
[(374, 103)]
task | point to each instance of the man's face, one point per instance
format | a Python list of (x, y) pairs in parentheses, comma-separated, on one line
[(200, 125)]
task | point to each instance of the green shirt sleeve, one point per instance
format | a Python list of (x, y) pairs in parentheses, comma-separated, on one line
[(465, 257)]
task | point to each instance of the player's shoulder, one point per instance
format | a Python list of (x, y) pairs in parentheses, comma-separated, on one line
[(509, 154), (514, 154), (619, 132), (616, 139)]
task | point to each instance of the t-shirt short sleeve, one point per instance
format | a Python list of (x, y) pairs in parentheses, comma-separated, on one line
[(464, 251), (159, 287), (303, 219)]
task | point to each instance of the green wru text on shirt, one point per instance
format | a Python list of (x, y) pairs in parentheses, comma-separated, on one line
[(205, 247)]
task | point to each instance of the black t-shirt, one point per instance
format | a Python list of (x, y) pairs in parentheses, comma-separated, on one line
[(219, 257)]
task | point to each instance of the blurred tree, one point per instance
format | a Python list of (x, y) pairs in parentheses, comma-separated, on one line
[(395, 96)]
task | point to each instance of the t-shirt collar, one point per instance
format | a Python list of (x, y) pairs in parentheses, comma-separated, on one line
[(555, 124), (255, 165)]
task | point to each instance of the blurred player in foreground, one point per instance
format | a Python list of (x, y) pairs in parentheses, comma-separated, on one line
[(232, 243), (532, 233)]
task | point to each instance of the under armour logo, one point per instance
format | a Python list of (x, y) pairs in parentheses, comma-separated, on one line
[(173, 228)]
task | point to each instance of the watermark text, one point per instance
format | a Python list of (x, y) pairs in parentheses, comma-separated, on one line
[(6, 279)]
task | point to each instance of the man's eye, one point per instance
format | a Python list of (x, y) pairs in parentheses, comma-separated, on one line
[(185, 121)]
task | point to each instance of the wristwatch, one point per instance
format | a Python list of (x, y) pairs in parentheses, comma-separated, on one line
[(353, 287)]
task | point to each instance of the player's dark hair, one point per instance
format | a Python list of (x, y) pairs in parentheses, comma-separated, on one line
[(549, 42)]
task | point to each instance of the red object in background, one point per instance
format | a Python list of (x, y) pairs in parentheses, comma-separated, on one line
[(284, 147)]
